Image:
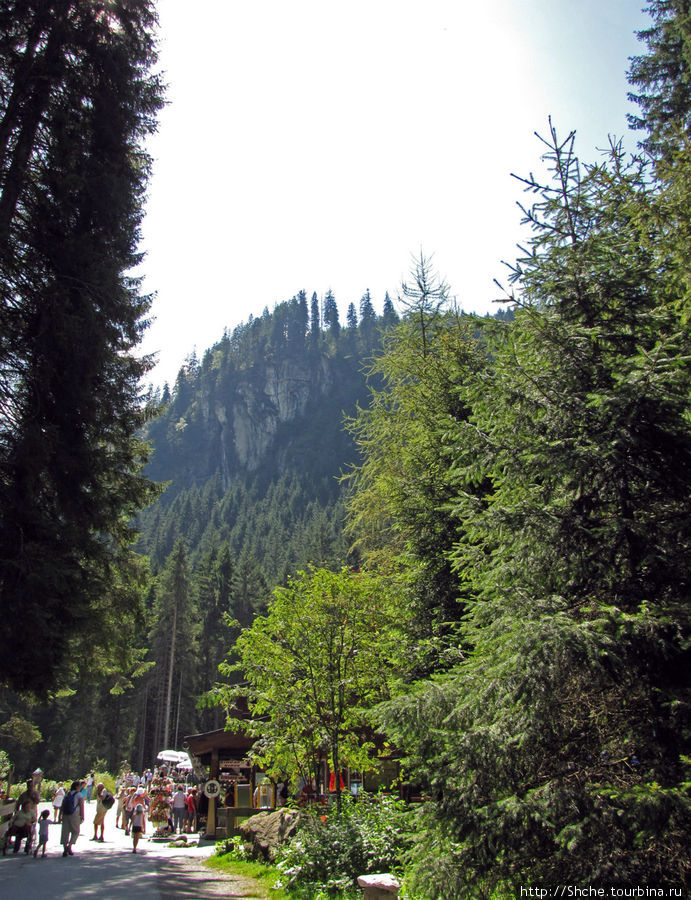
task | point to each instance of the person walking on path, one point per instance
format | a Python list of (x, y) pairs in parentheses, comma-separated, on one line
[(101, 810), (72, 818), (122, 797), (138, 825), (43, 827), (58, 797), (191, 814), (138, 795), (89, 787)]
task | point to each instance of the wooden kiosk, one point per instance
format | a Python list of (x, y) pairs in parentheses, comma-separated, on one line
[(231, 778)]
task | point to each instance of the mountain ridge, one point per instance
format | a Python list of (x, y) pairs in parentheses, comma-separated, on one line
[(258, 424)]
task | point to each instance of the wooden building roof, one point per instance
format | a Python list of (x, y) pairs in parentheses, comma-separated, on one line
[(233, 742)]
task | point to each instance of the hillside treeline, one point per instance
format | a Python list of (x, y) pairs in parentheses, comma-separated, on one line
[(233, 521)]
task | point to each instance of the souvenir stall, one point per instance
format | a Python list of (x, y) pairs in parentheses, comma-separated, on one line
[(160, 792), (229, 779), (160, 795)]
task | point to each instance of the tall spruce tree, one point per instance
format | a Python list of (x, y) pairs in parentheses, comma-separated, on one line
[(368, 318), (556, 751), (330, 314), (424, 295), (389, 315), (315, 320), (214, 577), (399, 503), (77, 99), (351, 316), (661, 78)]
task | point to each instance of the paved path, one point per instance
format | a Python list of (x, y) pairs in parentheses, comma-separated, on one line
[(110, 869)]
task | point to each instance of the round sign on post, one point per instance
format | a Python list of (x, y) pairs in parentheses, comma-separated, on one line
[(212, 789)]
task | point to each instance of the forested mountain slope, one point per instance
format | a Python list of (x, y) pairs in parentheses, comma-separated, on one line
[(250, 443), (251, 440)]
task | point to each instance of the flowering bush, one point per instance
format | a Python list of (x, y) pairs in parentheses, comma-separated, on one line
[(326, 857)]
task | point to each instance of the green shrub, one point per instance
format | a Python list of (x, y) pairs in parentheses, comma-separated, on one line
[(108, 781), (47, 789), (231, 845), (5, 765), (371, 834), (48, 785)]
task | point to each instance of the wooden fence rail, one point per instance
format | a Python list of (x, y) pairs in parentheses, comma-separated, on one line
[(6, 811)]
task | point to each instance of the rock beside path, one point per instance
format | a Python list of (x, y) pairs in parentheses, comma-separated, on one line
[(379, 886), (264, 833)]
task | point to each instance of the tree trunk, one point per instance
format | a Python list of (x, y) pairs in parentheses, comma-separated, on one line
[(48, 68), (169, 687), (336, 760)]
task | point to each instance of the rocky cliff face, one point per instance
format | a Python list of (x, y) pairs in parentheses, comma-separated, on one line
[(250, 417), (251, 444), (236, 422), (260, 405)]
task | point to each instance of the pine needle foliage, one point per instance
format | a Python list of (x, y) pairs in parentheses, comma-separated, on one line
[(77, 99), (555, 751), (399, 497), (660, 78)]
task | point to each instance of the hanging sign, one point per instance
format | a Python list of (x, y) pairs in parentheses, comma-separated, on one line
[(212, 789)]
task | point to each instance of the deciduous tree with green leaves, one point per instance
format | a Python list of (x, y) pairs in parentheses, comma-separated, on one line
[(314, 667)]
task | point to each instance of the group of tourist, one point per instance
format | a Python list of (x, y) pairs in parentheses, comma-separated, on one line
[(128, 778), (24, 820), (176, 806), (69, 803)]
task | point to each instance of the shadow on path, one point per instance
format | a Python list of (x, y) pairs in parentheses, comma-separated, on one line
[(103, 874), (110, 871), (189, 879)]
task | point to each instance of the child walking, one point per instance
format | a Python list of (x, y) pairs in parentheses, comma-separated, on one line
[(138, 825), (43, 825)]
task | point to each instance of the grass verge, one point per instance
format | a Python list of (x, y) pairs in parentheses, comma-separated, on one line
[(265, 877)]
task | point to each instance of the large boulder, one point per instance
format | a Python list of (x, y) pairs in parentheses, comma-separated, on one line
[(263, 834)]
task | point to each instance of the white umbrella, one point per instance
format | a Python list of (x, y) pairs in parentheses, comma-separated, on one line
[(185, 762), (171, 756)]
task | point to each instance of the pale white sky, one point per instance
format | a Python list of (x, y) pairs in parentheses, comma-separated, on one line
[(314, 144)]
